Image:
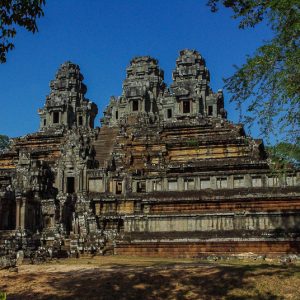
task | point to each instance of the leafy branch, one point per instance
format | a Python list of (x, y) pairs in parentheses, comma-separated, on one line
[(13, 13)]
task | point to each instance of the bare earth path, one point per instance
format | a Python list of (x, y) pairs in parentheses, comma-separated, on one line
[(140, 278)]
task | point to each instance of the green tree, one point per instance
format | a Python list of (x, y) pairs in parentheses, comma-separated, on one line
[(268, 83), (4, 142), (13, 13), (284, 154)]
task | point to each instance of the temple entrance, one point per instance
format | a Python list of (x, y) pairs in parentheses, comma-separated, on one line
[(186, 106), (70, 185), (55, 117), (135, 105), (7, 214)]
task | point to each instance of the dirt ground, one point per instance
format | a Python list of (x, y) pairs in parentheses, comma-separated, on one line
[(140, 278)]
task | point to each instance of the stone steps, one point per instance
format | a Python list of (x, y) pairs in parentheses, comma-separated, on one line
[(104, 144)]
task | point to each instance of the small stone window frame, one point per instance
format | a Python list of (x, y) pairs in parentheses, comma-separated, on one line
[(118, 187), (189, 184), (186, 106), (55, 117), (135, 105), (172, 184), (238, 181), (205, 183), (80, 121), (222, 183), (141, 187)]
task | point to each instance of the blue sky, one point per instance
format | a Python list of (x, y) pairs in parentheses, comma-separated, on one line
[(102, 37)]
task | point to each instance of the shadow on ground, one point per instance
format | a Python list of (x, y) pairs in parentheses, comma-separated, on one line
[(172, 281)]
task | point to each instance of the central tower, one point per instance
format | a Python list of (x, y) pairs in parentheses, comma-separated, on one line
[(146, 95)]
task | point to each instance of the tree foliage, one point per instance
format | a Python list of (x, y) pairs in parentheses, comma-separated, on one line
[(285, 154), (13, 13), (269, 81), (4, 142)]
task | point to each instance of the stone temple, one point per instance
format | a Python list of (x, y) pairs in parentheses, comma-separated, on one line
[(166, 174)]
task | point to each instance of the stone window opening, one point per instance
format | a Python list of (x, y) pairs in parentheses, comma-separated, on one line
[(135, 105), (238, 181), (169, 113), (222, 183), (186, 106), (47, 221), (156, 185), (210, 110), (141, 187), (189, 184), (111, 207), (172, 185), (120, 225), (118, 187), (55, 117), (138, 207), (101, 207), (273, 181), (45, 122), (204, 183), (291, 180), (80, 121), (117, 115), (256, 181), (70, 185)]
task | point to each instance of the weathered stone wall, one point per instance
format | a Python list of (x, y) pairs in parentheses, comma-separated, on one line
[(207, 248), (214, 222)]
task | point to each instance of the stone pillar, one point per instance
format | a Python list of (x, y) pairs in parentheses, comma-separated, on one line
[(298, 178), (203, 94), (62, 201), (104, 183), (213, 182), (80, 181), (134, 186), (65, 118), (23, 213), (264, 180), (165, 184), (1, 216), (59, 180), (114, 184), (230, 182), (151, 105), (215, 110), (84, 180), (197, 183), (248, 180), (124, 187), (180, 184), (18, 203), (148, 186)]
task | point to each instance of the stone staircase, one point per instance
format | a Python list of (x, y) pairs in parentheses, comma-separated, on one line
[(104, 144)]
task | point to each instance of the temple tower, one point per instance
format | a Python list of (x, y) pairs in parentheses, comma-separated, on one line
[(190, 87), (66, 106), (143, 84)]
